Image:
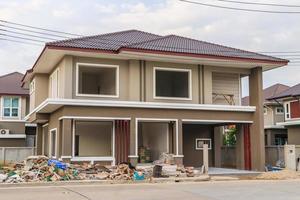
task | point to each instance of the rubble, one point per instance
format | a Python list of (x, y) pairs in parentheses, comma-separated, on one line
[(41, 168)]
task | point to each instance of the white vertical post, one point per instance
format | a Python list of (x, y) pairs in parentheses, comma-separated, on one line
[(3, 155), (205, 158)]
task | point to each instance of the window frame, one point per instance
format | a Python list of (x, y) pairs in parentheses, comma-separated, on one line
[(93, 158), (56, 73), (173, 69), (32, 87), (279, 113), (3, 107), (265, 111), (117, 82), (50, 143), (204, 139), (287, 112)]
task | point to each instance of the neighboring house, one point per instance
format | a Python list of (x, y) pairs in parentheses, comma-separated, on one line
[(273, 114), (132, 95), (290, 100), (14, 132)]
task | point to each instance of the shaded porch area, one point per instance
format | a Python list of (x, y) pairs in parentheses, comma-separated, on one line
[(220, 155)]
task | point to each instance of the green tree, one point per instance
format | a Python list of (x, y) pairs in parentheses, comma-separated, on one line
[(230, 137)]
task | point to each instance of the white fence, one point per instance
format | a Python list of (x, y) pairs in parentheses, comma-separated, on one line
[(15, 154)]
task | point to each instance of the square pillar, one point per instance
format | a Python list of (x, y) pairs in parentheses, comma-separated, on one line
[(240, 158), (179, 143), (66, 139), (217, 144), (39, 139), (133, 154), (257, 128)]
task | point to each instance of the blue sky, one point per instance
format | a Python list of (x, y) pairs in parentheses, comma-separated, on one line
[(250, 31)]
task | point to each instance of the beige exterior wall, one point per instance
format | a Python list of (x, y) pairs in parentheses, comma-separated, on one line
[(40, 92), (271, 117), (136, 81), (294, 135)]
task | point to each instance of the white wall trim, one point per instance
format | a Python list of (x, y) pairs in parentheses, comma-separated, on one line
[(172, 69), (288, 123), (98, 95), (137, 104), (217, 121), (92, 159), (13, 136), (50, 143), (94, 118)]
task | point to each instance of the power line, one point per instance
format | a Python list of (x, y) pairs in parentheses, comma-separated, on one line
[(18, 41), (31, 31), (39, 28), (240, 9), (261, 4), (30, 35), (22, 38)]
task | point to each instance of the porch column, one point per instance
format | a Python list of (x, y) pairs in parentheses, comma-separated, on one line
[(39, 139), (133, 154), (240, 160), (66, 131), (179, 143), (218, 132), (257, 128), (269, 138)]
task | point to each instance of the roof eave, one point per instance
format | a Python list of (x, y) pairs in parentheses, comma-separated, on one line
[(279, 62)]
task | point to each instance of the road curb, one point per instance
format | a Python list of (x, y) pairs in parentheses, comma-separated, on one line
[(105, 182)]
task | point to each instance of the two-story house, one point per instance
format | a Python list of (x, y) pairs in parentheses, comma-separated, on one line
[(131, 95), (291, 103), (273, 114), (14, 131)]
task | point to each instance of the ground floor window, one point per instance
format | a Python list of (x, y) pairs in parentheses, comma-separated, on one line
[(280, 139), (53, 142), (154, 138), (93, 139)]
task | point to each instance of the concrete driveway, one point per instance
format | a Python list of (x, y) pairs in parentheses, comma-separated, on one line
[(230, 190)]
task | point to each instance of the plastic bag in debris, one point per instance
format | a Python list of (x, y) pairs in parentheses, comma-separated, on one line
[(57, 164), (138, 176)]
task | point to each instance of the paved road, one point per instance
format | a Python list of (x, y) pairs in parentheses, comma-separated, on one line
[(230, 190)]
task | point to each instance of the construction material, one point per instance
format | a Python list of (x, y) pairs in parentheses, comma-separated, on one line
[(279, 175), (41, 168), (144, 155)]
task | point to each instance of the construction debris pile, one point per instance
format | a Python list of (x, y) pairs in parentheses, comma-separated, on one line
[(41, 168)]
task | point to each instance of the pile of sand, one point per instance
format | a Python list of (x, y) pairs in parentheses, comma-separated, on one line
[(279, 175)]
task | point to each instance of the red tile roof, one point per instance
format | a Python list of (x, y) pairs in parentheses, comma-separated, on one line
[(10, 84), (291, 92), (268, 93), (139, 40)]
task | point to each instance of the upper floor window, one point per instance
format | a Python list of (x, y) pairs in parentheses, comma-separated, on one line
[(97, 80), (10, 106), (54, 86), (32, 86), (287, 110), (279, 111), (172, 83), (265, 111)]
